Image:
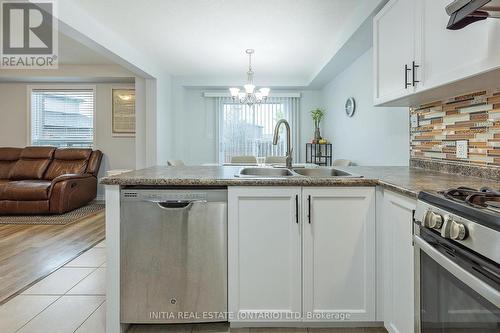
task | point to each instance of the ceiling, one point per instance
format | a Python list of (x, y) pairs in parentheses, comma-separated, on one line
[(291, 38)]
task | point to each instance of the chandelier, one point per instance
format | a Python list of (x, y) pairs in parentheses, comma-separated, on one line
[(249, 95)]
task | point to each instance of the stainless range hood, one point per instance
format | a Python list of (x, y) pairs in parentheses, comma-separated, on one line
[(464, 12)]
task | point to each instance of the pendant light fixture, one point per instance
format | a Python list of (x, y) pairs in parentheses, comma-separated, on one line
[(248, 95)]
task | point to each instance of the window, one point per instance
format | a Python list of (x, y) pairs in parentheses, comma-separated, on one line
[(248, 130), (62, 117)]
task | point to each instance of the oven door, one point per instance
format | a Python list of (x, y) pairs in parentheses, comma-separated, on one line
[(457, 291)]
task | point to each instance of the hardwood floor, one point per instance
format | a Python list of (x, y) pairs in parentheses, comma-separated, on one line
[(28, 253)]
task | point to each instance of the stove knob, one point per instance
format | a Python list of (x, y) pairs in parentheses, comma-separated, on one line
[(458, 231), (453, 230), (433, 220)]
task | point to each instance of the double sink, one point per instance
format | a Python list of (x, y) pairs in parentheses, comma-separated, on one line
[(320, 172)]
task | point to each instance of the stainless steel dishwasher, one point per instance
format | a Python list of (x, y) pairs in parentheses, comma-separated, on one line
[(173, 255)]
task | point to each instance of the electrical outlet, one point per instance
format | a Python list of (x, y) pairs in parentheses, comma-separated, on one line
[(462, 148), (414, 120)]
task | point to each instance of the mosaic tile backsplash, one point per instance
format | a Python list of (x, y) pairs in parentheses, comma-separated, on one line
[(473, 117)]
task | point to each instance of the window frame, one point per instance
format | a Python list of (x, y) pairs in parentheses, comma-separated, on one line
[(30, 89), (220, 124)]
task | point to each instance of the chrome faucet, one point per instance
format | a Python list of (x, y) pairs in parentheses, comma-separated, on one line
[(289, 148)]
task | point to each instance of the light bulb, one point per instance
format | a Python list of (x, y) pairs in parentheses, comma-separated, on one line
[(234, 92), (264, 91), (249, 88)]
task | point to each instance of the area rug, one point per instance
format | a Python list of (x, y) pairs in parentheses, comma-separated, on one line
[(76, 215)]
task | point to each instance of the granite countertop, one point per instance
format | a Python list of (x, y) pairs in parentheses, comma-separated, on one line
[(404, 180)]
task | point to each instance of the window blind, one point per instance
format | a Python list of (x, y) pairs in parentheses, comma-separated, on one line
[(248, 130), (62, 118)]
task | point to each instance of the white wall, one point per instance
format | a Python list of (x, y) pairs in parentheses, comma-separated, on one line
[(374, 135), (14, 115), (119, 152)]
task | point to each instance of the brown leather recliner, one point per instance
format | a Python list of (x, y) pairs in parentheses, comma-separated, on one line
[(46, 180)]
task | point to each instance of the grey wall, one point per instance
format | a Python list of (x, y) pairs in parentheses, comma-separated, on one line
[(119, 152), (374, 135)]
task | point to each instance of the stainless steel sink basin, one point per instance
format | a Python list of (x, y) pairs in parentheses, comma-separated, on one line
[(266, 172), (323, 172), (254, 172)]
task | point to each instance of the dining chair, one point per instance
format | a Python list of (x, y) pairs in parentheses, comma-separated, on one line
[(341, 162), (244, 159)]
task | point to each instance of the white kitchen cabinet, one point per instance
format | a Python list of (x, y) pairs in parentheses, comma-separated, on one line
[(321, 271), (449, 55), (397, 262), (264, 241), (393, 49), (339, 253), (413, 32)]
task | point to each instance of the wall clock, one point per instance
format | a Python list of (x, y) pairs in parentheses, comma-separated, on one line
[(350, 106)]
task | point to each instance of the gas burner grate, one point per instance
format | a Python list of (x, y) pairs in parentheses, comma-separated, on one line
[(483, 198)]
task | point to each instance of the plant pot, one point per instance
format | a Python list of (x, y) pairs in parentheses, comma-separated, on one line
[(317, 134)]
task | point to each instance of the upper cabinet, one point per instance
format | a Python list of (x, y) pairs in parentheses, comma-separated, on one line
[(434, 57), (394, 49)]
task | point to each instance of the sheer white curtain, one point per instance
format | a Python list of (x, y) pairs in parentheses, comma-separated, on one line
[(248, 130)]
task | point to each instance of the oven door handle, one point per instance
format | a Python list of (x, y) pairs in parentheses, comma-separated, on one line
[(479, 286)]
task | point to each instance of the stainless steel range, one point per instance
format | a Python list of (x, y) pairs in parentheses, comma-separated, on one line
[(457, 256)]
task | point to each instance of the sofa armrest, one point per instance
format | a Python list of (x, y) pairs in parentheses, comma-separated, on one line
[(71, 191), (70, 176)]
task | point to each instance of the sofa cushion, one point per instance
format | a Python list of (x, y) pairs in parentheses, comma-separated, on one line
[(72, 153), (3, 183), (73, 161), (25, 190), (32, 163), (8, 158), (37, 153)]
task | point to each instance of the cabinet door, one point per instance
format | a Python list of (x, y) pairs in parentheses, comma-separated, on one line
[(339, 254), (449, 55), (397, 262), (264, 252), (393, 48)]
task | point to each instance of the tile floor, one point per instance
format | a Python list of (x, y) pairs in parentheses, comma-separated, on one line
[(72, 300)]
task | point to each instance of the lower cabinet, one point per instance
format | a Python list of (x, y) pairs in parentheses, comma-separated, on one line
[(301, 254), (264, 254), (397, 262), (339, 254)]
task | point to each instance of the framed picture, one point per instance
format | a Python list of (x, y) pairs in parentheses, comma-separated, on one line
[(123, 112)]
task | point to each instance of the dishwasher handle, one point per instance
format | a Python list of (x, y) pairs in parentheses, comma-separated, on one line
[(176, 204)]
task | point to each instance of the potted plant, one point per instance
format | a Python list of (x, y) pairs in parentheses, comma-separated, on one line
[(317, 115)]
